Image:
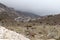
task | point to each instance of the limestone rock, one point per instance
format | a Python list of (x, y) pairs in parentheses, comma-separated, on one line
[(10, 35)]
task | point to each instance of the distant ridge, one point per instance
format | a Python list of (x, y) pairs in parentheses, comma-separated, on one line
[(2, 5), (50, 19), (28, 14)]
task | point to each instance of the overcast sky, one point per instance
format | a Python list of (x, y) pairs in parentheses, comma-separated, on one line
[(40, 7)]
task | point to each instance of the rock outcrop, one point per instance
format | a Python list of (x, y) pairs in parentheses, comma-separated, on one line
[(10, 35)]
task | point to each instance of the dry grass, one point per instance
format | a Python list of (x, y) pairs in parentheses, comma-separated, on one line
[(35, 32)]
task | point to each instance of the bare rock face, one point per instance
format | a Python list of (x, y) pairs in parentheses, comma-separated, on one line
[(6, 34)]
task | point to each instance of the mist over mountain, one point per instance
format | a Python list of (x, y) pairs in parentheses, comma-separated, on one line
[(12, 15), (40, 7)]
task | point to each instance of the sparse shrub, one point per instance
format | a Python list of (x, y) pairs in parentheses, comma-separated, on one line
[(40, 22), (2, 22), (33, 24), (50, 16), (54, 22), (18, 24), (40, 32), (32, 34), (0, 19), (59, 24), (47, 23), (33, 28), (28, 26)]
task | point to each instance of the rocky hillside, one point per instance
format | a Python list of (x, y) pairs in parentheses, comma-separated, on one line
[(9, 14), (49, 19), (41, 28), (28, 14)]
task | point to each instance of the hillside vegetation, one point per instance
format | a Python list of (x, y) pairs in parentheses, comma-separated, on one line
[(45, 27)]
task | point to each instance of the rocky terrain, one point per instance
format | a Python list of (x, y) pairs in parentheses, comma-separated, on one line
[(10, 35), (34, 28)]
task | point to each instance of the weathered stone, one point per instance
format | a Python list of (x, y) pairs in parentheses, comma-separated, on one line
[(10, 35)]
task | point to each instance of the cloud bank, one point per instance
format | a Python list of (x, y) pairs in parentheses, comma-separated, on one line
[(40, 7)]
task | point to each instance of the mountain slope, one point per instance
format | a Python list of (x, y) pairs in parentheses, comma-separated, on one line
[(28, 14), (7, 12), (50, 19), (10, 13)]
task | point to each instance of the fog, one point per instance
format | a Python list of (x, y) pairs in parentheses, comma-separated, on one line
[(40, 7)]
